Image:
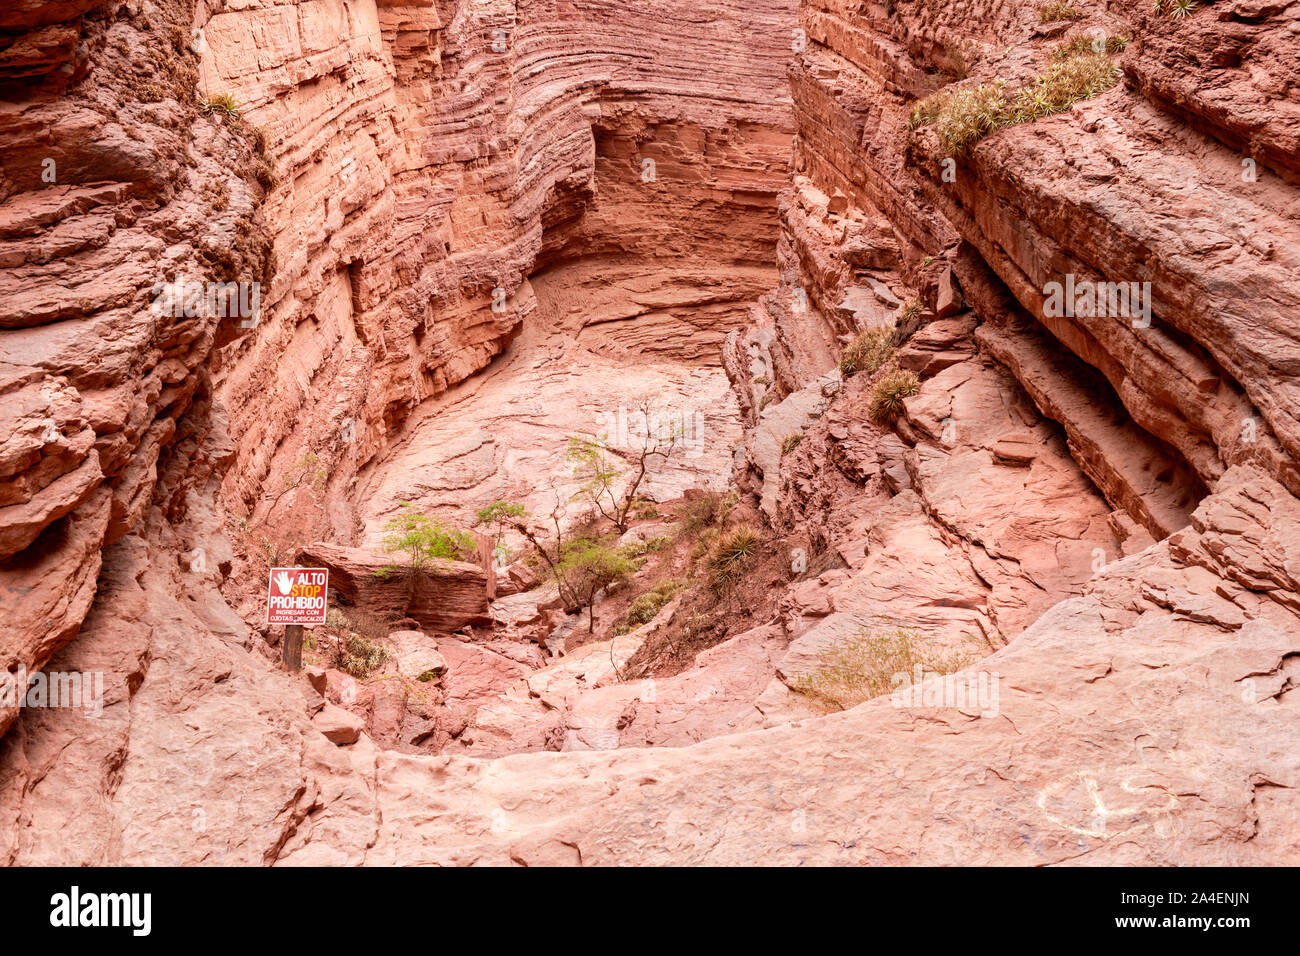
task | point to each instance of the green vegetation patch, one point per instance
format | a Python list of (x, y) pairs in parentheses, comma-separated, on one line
[(965, 116)]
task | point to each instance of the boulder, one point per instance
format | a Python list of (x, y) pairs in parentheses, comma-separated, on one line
[(339, 726), (415, 655), (516, 579), (446, 596), (947, 299)]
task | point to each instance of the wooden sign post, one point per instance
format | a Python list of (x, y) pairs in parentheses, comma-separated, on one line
[(295, 597), (293, 647)]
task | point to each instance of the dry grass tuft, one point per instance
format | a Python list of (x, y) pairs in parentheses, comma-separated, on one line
[(220, 104), (865, 666), (1089, 44), (963, 117), (868, 352), (1058, 10), (732, 553), (887, 395)]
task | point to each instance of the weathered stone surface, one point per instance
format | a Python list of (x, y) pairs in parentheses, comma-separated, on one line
[(415, 654), (504, 435), (338, 725), (470, 253), (430, 170), (1171, 770), (443, 595), (114, 185)]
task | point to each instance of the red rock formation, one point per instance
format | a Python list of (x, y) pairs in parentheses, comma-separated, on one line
[(391, 168), (1106, 512), (444, 596), (1137, 723), (113, 186), (433, 155)]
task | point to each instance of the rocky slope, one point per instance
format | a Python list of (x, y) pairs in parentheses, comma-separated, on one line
[(391, 176), (1103, 511)]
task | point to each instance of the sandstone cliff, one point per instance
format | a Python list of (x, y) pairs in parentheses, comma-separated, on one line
[(607, 194)]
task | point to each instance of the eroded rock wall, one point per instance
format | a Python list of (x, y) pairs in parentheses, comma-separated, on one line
[(1182, 176), (386, 174), (1146, 694), (433, 157), (1147, 701), (113, 184)]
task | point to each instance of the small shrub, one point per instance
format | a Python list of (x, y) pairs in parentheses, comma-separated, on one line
[(263, 166), (591, 559), (963, 117), (863, 667), (732, 552), (217, 194), (888, 393), (643, 609), (1181, 8), (358, 656), (791, 443), (502, 516), (421, 539), (868, 352), (586, 566), (221, 104), (925, 111), (499, 513), (644, 509), (1088, 44), (638, 549), (264, 172), (307, 472), (707, 511), (261, 142), (1057, 10), (1066, 82), (660, 543)]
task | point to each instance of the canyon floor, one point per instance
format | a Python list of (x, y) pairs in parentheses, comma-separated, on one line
[(935, 569)]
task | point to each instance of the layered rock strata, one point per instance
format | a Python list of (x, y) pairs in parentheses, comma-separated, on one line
[(383, 179), (452, 170), (1106, 511)]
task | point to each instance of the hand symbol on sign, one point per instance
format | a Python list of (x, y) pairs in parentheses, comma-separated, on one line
[(283, 582)]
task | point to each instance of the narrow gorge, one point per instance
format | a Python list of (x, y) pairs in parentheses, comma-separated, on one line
[(972, 330)]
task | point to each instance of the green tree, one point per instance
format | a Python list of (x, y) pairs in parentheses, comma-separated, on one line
[(500, 516), (421, 539), (591, 565), (581, 567)]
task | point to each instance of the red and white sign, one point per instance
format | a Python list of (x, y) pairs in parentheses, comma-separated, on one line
[(296, 595)]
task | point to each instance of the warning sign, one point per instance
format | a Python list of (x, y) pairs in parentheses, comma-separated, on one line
[(296, 595)]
